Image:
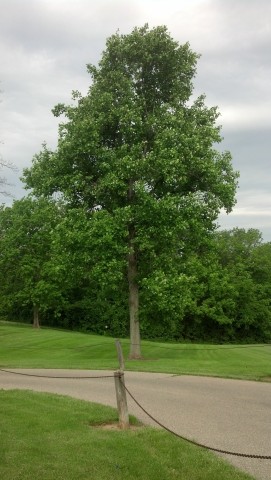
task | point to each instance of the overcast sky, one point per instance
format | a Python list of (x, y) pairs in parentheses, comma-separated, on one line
[(46, 44)]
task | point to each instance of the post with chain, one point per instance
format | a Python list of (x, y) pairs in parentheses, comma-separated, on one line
[(121, 400), (120, 389)]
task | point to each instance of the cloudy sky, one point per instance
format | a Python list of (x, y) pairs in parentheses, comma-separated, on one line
[(46, 44)]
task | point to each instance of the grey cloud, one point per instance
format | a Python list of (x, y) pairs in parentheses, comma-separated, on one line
[(45, 45), (258, 221), (251, 156), (234, 39), (224, 26), (61, 25)]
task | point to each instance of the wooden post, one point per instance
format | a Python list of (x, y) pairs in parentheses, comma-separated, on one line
[(121, 400), (120, 355)]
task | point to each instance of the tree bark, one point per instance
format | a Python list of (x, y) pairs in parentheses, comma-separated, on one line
[(36, 323), (135, 347)]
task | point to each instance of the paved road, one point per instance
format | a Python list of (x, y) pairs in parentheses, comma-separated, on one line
[(230, 415)]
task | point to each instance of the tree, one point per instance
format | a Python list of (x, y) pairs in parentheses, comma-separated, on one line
[(236, 245), (137, 150), (3, 180), (28, 278), (245, 260)]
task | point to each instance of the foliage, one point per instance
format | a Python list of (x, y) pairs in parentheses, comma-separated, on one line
[(137, 155), (232, 291), (49, 258), (97, 299), (28, 278)]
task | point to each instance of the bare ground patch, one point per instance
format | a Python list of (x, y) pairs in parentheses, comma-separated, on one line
[(115, 426)]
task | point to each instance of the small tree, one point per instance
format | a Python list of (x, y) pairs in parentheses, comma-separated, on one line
[(27, 275), (3, 181), (137, 149)]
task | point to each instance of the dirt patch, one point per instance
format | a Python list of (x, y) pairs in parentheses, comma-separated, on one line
[(115, 426), (265, 379)]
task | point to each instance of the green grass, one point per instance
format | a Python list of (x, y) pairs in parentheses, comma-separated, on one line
[(50, 437), (22, 346)]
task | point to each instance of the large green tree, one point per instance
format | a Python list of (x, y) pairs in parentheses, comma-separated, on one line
[(137, 149)]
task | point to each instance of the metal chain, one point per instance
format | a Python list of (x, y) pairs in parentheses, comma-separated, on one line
[(237, 454), (25, 347), (263, 457), (48, 376), (221, 348)]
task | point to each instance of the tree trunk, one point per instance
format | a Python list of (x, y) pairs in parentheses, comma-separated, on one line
[(135, 348), (36, 323)]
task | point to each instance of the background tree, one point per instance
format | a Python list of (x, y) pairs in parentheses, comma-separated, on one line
[(28, 277), (4, 184), (3, 181), (230, 289), (245, 258), (139, 152)]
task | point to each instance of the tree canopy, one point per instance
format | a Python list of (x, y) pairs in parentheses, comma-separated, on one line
[(139, 152)]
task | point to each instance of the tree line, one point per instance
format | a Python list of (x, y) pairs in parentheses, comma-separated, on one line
[(132, 235), (68, 269)]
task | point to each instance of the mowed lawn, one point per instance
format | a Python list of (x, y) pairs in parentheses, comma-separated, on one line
[(49, 437), (21, 346)]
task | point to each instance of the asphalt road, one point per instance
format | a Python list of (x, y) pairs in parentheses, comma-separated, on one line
[(230, 415)]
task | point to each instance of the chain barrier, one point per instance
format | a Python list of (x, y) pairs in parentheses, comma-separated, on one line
[(174, 347), (221, 348), (65, 348), (236, 454), (90, 345), (50, 376)]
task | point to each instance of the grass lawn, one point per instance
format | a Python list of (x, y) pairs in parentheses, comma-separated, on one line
[(22, 346), (49, 437)]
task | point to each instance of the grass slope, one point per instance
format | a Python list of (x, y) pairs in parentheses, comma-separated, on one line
[(22, 346), (55, 437)]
